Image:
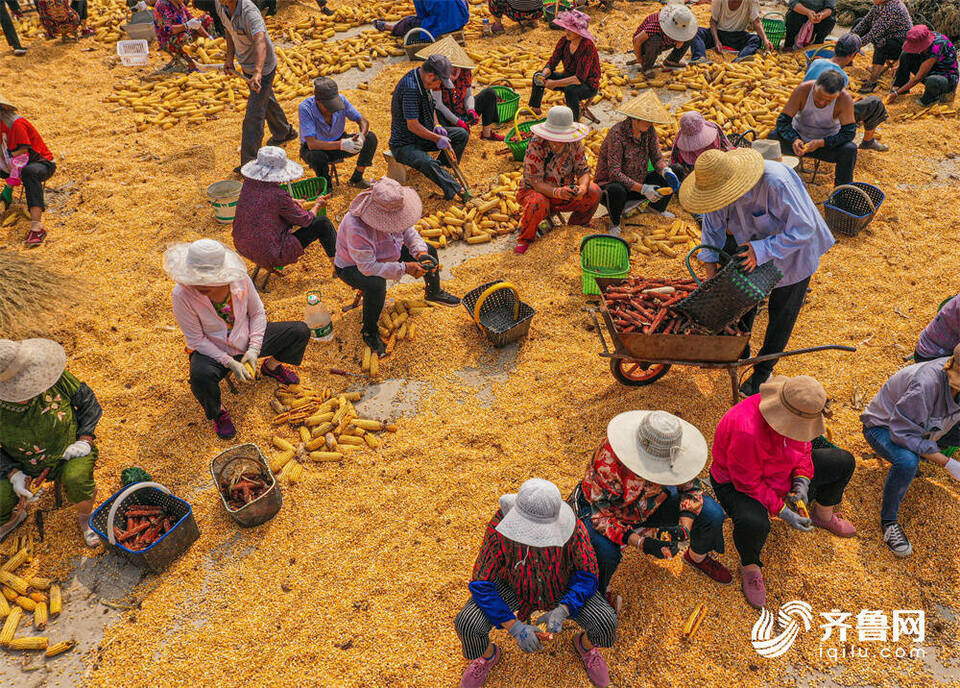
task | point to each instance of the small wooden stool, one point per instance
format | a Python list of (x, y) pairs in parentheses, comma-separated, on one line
[(334, 177), (396, 170)]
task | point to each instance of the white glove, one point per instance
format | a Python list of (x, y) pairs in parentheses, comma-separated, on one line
[(350, 146), (953, 466), (21, 483), (650, 191), (140, 6), (251, 357), (360, 138), (193, 23), (239, 370), (77, 449)]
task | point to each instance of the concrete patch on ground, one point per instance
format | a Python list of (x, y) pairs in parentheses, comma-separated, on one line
[(392, 399)]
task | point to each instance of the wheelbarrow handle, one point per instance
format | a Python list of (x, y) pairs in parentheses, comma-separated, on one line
[(783, 354)]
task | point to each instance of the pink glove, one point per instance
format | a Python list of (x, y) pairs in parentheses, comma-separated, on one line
[(462, 124), (474, 117), (17, 164)]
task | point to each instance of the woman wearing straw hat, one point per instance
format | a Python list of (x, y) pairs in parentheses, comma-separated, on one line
[(580, 78), (456, 106), (535, 556), (225, 326), (916, 414), (556, 176), (696, 136), (630, 147), (764, 465), (377, 242), (762, 209), (48, 420), (24, 159), (672, 28), (641, 490), (267, 213)]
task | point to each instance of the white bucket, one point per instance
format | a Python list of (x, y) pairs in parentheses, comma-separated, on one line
[(223, 195)]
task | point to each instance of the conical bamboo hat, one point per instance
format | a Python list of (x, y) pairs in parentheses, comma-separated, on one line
[(647, 107), (450, 49)]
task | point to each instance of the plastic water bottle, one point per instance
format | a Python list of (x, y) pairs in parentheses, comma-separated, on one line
[(317, 317), (486, 29)]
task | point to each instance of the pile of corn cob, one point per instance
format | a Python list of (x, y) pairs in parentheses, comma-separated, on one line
[(328, 428), (33, 594), (488, 215), (396, 324), (667, 241)]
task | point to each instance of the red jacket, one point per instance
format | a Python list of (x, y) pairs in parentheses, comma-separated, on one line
[(759, 461)]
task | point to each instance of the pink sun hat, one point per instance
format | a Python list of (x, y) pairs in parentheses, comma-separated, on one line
[(695, 133), (388, 207), (576, 21), (919, 38)]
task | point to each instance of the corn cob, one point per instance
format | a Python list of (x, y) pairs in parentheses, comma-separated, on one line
[(37, 597), (14, 562), (15, 582), (56, 602), (26, 603), (59, 648), (39, 583), (372, 440), (10, 594), (33, 642), (350, 439), (325, 456), (367, 424), (10, 625), (305, 435), (282, 444), (40, 616), (693, 621), (4, 607), (280, 460)]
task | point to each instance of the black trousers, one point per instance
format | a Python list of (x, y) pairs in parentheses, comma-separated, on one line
[(888, 49), (210, 7), (321, 228), (832, 470), (80, 7), (320, 160), (9, 29), (843, 157), (33, 175), (934, 85), (571, 94), (795, 22), (485, 103), (374, 288), (615, 196), (284, 341)]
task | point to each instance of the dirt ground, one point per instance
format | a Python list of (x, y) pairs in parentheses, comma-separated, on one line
[(357, 580)]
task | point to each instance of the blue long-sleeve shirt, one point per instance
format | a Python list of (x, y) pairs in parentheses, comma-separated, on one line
[(442, 16), (778, 219)]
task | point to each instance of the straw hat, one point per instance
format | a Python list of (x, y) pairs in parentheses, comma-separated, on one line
[(536, 515), (560, 126), (952, 368), (576, 21), (6, 104), (678, 22), (793, 406), (771, 150), (387, 206), (658, 446), (719, 178), (29, 368), (648, 108), (272, 165), (450, 49), (203, 263)]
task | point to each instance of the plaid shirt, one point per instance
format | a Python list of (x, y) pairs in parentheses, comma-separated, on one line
[(584, 63), (620, 500), (453, 98), (624, 159), (557, 169), (651, 25)]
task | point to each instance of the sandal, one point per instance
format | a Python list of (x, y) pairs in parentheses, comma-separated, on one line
[(494, 136), (35, 238)]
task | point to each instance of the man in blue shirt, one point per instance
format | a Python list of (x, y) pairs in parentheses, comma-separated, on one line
[(414, 132), (323, 139), (762, 209)]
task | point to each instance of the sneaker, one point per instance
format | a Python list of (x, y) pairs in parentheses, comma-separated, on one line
[(742, 58), (869, 87), (375, 343), (669, 64), (615, 230), (359, 182), (284, 376), (873, 144), (837, 525), (224, 426), (19, 52), (750, 387), (236, 170), (35, 237), (753, 588), (700, 60), (90, 537), (479, 669), (897, 540), (594, 663), (711, 567), (494, 136), (441, 297), (280, 140)]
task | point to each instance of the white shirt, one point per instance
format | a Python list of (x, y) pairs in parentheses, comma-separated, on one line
[(739, 19)]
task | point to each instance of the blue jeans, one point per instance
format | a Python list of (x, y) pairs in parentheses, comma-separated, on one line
[(903, 468), (706, 535), (746, 43), (417, 156)]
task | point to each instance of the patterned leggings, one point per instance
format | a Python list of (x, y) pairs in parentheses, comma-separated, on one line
[(596, 617), (536, 207), (498, 8)]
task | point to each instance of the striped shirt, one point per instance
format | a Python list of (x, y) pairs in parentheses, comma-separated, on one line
[(411, 100)]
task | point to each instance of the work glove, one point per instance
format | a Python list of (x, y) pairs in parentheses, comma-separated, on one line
[(193, 23), (801, 488), (555, 618), (360, 138), (650, 191), (77, 449), (350, 146), (439, 131), (240, 371), (795, 520), (526, 636), (462, 124), (673, 534), (672, 181), (655, 547), (443, 143), (473, 116), (17, 164), (21, 485), (251, 357)]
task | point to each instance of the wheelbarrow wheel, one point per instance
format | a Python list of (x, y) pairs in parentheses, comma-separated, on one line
[(637, 373)]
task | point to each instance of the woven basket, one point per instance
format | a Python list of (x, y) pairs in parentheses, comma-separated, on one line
[(727, 296), (507, 107), (413, 47), (775, 26), (517, 145), (744, 139), (498, 312), (309, 189), (851, 207), (550, 9), (169, 546), (264, 507), (602, 255)]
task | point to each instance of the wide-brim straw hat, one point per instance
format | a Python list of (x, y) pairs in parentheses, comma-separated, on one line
[(272, 165), (388, 206), (450, 49), (576, 21), (952, 368), (6, 104), (536, 515), (719, 178), (203, 263), (648, 108), (560, 126), (793, 406), (658, 446), (29, 367), (771, 150), (678, 22)]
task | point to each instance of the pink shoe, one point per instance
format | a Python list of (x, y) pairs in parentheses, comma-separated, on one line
[(479, 669), (224, 426), (521, 247), (754, 589), (282, 375), (594, 663), (35, 238), (837, 525)]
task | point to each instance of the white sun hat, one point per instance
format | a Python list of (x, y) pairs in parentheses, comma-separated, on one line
[(536, 515), (272, 165), (203, 263), (658, 446)]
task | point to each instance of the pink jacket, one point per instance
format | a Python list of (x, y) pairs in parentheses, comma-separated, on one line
[(759, 461), (206, 332)]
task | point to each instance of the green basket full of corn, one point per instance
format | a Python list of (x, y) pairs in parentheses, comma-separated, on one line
[(309, 190), (519, 136)]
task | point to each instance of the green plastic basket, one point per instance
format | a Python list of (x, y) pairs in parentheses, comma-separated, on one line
[(602, 255), (550, 9), (517, 145), (775, 27), (509, 104), (309, 190)]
